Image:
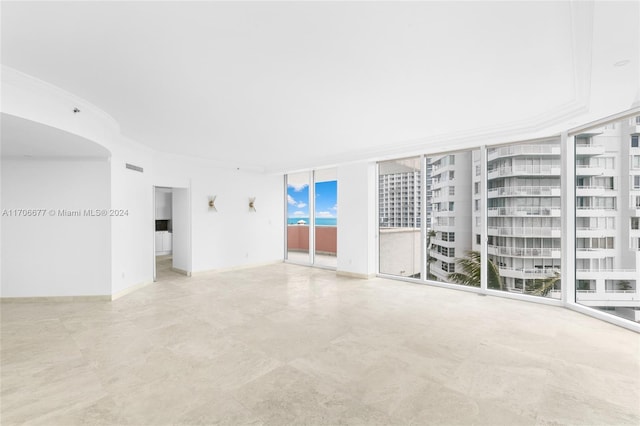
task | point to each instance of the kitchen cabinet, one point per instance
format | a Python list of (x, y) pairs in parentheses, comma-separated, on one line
[(164, 242)]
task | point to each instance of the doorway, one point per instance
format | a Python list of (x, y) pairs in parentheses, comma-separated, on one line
[(172, 233)]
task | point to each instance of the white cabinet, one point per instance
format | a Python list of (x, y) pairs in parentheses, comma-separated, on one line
[(167, 241), (164, 242)]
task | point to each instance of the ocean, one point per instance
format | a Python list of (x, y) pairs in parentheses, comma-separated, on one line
[(320, 221)]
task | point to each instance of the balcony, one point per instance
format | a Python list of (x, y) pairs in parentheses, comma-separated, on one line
[(514, 150), (592, 231), (326, 243), (524, 252), (589, 149), (524, 211), (536, 273), (594, 253), (593, 191), (523, 171), (589, 170), (525, 232), (594, 211), (524, 191)]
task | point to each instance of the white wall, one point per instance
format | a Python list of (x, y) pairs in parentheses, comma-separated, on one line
[(230, 238), (233, 236), (133, 235), (181, 213), (357, 236), (55, 255)]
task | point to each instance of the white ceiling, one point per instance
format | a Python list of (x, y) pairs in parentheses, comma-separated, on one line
[(24, 138), (290, 85)]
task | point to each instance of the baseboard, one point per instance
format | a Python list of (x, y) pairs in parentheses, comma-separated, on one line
[(128, 290), (236, 268), (355, 275), (56, 299), (181, 271)]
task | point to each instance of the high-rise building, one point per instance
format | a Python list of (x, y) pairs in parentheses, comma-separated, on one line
[(450, 199), (607, 217), (523, 213), (400, 196)]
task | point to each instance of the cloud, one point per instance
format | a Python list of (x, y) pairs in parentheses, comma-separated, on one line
[(324, 215), (298, 187), (290, 200), (334, 208), (302, 205), (299, 214)]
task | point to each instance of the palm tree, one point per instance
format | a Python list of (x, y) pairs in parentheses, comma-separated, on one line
[(471, 270), (544, 286)]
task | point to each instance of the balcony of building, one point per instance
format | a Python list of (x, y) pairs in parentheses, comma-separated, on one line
[(594, 253), (523, 171), (326, 242), (595, 211), (586, 170), (593, 191), (515, 150), (525, 231), (523, 273), (524, 191), (589, 149), (524, 211), (592, 232), (524, 252)]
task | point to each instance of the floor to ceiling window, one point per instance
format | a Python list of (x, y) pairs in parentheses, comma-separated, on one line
[(298, 217), (523, 217), (400, 213), (453, 199), (326, 217), (494, 218), (608, 218), (312, 217)]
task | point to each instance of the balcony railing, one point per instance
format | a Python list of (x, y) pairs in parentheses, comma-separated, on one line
[(523, 252), (525, 232), (524, 211), (524, 170), (545, 191), (539, 149), (536, 272), (326, 239)]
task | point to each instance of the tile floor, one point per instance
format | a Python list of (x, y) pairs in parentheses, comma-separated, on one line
[(286, 344)]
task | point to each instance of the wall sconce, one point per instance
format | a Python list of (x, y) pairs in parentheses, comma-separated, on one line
[(212, 203), (252, 204)]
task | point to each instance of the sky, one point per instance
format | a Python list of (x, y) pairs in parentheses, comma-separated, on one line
[(326, 200)]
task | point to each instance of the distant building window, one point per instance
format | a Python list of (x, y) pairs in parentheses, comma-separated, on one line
[(476, 205), (477, 170), (452, 174), (449, 236), (635, 142), (636, 182), (452, 190), (478, 239), (448, 267), (635, 223), (451, 203), (476, 188)]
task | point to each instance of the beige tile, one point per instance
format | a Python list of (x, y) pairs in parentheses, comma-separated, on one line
[(284, 344)]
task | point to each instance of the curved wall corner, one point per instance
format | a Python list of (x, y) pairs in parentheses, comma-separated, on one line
[(32, 99), (123, 255)]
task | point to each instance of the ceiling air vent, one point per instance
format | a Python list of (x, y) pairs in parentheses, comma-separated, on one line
[(133, 167)]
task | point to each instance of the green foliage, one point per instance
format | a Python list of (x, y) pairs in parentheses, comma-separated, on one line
[(471, 272)]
